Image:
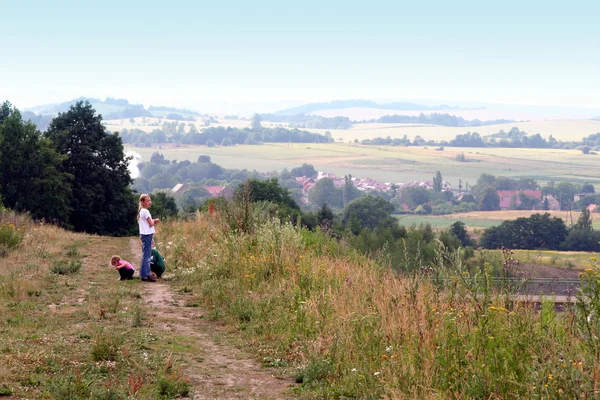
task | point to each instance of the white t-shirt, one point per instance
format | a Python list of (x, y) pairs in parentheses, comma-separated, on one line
[(145, 228)]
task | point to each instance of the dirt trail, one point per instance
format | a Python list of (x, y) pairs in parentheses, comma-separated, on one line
[(219, 372)]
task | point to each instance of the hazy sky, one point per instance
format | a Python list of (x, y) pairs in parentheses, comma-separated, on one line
[(200, 52)]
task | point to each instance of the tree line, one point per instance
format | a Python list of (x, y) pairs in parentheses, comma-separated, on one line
[(514, 138), (212, 136), (436, 119)]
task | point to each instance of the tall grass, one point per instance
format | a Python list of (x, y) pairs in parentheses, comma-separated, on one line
[(347, 326)]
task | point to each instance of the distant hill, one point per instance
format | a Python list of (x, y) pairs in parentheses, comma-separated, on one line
[(162, 111), (112, 108), (341, 104), (41, 121)]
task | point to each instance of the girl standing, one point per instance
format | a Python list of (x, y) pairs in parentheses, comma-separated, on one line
[(146, 224)]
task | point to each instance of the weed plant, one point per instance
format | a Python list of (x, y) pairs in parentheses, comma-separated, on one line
[(349, 327), (66, 267)]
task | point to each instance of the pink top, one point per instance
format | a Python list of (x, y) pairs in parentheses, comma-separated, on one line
[(125, 264)]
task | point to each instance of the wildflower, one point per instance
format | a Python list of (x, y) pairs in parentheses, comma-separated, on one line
[(384, 357), (353, 370), (550, 377), (377, 373), (388, 349)]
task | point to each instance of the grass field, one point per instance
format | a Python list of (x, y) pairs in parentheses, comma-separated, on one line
[(398, 164), (565, 130), (148, 124)]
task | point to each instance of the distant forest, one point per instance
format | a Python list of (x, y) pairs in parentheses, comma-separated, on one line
[(176, 133), (437, 119), (319, 122)]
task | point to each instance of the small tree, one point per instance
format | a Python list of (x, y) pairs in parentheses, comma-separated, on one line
[(437, 182), (490, 200), (256, 120), (458, 229), (325, 217)]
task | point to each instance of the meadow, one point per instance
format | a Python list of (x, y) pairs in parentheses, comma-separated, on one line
[(564, 130), (69, 330), (348, 327), (305, 305), (397, 164)]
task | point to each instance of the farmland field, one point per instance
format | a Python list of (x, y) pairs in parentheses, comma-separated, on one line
[(565, 130), (485, 219), (397, 164)]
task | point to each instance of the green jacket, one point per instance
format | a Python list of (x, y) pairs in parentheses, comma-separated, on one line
[(157, 263)]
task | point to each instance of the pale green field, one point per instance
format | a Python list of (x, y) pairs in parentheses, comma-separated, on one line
[(444, 221), (398, 164), (486, 219), (115, 125), (565, 130)]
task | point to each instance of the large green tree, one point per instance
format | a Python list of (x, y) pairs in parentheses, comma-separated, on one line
[(101, 200), (370, 211), (565, 192), (30, 179), (536, 232), (489, 200), (324, 191)]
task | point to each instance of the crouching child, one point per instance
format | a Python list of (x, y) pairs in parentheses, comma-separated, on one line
[(125, 269), (157, 262)]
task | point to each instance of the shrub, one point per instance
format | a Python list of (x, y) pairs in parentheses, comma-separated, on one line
[(10, 235)]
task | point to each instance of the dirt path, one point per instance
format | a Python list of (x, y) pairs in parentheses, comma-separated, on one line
[(216, 371)]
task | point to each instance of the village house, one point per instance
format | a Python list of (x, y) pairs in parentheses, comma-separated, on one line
[(579, 196), (553, 203), (219, 191), (179, 188), (507, 196)]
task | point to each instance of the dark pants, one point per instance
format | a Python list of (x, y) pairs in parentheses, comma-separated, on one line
[(125, 273)]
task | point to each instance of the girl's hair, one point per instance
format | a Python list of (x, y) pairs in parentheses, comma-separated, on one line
[(114, 259), (143, 197)]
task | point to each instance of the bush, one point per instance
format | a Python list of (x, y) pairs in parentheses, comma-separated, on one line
[(10, 235)]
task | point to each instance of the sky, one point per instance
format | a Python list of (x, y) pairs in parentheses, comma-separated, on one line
[(273, 54)]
